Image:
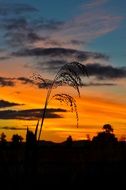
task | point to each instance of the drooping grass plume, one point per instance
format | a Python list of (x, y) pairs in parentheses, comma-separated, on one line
[(69, 74), (68, 100)]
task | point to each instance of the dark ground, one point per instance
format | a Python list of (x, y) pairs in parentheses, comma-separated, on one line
[(80, 164)]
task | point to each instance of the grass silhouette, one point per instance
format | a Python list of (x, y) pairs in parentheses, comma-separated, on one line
[(69, 74), (70, 101)]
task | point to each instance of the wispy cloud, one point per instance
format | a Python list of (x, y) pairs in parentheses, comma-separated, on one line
[(95, 3), (87, 27), (93, 21), (48, 24), (15, 8)]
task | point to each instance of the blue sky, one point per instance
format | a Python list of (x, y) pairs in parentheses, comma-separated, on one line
[(112, 43)]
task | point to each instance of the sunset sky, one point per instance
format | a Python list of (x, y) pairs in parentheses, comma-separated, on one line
[(41, 36)]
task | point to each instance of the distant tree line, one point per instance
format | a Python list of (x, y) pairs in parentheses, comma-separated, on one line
[(105, 136)]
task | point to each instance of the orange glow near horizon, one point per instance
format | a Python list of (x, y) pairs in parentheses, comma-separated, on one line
[(94, 111)]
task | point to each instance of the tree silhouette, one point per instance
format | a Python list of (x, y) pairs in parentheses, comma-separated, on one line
[(69, 141), (3, 140), (69, 74), (3, 137), (106, 136), (16, 139), (107, 128)]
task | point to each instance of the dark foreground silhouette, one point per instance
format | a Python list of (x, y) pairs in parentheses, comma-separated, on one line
[(71, 163), (40, 165)]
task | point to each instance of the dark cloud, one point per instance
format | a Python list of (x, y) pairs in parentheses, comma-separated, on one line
[(25, 80), (33, 37), (85, 84), (37, 81), (6, 82), (4, 104), (98, 84), (52, 65), (19, 29), (106, 72), (100, 72), (20, 32), (60, 52), (30, 114), (45, 83), (48, 84), (15, 8), (19, 23), (2, 58), (54, 43), (22, 38)]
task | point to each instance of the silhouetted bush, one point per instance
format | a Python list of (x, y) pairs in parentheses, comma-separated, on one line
[(106, 136)]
